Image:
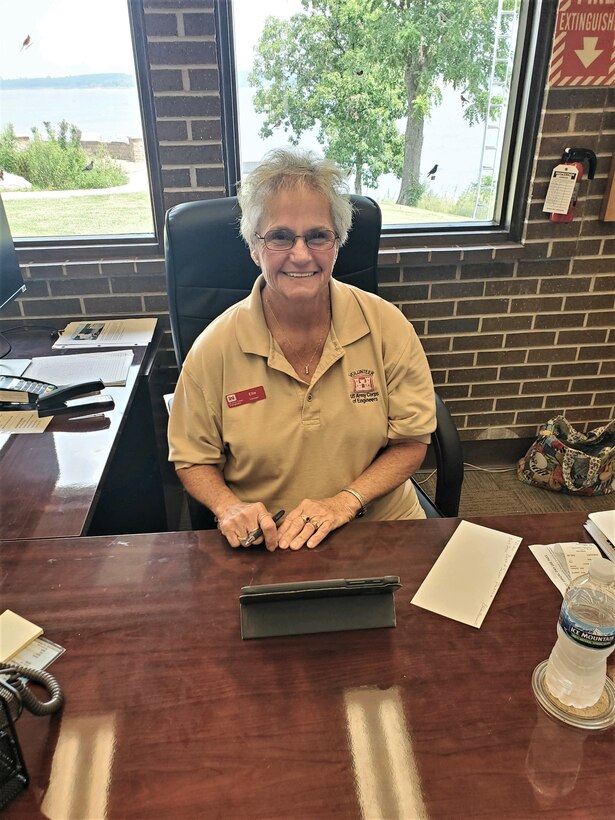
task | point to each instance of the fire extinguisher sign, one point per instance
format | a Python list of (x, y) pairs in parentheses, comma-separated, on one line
[(583, 46)]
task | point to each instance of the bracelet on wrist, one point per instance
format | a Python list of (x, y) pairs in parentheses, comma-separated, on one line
[(359, 498)]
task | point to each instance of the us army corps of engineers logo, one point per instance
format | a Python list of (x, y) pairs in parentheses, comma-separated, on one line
[(363, 390)]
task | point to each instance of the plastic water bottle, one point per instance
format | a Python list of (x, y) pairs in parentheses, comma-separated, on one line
[(576, 671)]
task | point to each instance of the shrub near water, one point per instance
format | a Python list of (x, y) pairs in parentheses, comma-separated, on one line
[(58, 162)]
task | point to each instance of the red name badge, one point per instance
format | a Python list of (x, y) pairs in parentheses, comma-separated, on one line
[(246, 396)]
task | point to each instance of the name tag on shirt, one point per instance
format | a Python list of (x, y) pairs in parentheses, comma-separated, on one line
[(246, 396)]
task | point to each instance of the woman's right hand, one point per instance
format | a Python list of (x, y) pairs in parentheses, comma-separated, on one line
[(240, 520)]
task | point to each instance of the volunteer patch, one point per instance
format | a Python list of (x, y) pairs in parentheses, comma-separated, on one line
[(362, 387), (246, 396)]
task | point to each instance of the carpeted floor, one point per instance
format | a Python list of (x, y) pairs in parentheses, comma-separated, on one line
[(488, 493)]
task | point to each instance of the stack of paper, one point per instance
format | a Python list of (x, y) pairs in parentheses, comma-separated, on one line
[(107, 333), (15, 634), (111, 367), (601, 527)]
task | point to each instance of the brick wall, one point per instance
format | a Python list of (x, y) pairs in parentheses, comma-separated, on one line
[(514, 334)]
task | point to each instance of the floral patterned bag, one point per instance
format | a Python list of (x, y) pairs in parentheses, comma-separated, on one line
[(565, 460)]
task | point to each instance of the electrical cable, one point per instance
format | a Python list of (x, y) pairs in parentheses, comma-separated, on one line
[(14, 675), (474, 466)]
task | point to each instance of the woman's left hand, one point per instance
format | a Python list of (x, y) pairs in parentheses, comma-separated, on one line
[(313, 519)]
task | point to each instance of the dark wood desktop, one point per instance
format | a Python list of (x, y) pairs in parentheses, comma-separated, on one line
[(89, 475), (170, 714)]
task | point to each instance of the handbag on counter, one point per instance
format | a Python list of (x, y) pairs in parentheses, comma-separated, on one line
[(564, 460)]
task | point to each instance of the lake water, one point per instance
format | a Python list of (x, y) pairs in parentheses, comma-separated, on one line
[(113, 114), (100, 113)]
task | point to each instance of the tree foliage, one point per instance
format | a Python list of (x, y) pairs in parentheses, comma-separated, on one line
[(355, 68)]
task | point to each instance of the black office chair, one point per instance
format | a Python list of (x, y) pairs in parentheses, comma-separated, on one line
[(209, 268)]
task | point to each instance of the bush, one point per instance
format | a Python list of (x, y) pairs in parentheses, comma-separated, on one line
[(413, 193), (463, 205), (58, 163), (8, 150)]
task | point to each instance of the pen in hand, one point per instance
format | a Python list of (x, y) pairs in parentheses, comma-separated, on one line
[(258, 532)]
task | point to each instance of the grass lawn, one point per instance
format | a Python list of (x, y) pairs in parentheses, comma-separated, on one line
[(404, 215), (79, 215), (116, 213)]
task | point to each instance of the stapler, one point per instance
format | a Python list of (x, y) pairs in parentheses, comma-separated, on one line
[(72, 400)]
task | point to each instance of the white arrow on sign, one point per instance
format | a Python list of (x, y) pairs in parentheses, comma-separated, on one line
[(589, 52)]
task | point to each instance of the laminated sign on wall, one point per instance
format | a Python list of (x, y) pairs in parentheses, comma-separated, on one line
[(583, 47)]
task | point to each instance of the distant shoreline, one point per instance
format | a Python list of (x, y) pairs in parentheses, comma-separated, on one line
[(73, 81)]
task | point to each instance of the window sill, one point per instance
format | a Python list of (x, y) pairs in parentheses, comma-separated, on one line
[(87, 249), (426, 252)]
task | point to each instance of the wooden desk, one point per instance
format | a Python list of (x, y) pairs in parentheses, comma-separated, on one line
[(169, 714), (89, 475)]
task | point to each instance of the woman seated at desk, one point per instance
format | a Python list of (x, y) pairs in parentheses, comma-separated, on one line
[(309, 395)]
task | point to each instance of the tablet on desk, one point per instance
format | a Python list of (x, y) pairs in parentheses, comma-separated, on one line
[(319, 589), (328, 605)]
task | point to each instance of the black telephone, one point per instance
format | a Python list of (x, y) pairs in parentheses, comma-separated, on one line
[(14, 695), (19, 393)]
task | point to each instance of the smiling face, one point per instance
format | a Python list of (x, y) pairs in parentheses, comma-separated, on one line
[(299, 273)]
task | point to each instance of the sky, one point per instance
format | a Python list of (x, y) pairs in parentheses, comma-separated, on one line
[(72, 36), (248, 19), (67, 37)]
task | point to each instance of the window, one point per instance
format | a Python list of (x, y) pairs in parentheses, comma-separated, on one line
[(431, 107), (71, 128)]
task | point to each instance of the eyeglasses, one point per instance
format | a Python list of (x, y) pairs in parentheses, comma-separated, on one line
[(282, 240)]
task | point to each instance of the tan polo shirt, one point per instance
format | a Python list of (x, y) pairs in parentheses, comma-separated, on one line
[(240, 405)]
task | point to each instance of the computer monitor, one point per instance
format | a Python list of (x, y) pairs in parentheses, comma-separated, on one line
[(11, 280)]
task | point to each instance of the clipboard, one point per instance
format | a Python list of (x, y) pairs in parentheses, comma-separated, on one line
[(328, 605)]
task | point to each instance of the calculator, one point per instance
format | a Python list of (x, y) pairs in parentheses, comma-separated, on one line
[(19, 389)]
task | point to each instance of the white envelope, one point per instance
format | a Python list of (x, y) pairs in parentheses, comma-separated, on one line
[(468, 573)]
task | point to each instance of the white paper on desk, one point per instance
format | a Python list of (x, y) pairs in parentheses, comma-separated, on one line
[(468, 573), (111, 367), (107, 333), (14, 367), (22, 421), (565, 561)]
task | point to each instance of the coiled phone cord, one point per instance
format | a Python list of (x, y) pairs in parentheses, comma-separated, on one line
[(30, 701)]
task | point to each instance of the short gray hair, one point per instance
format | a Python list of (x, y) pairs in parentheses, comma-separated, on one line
[(287, 168)]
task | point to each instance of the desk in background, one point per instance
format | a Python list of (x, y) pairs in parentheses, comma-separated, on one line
[(169, 714), (91, 475)]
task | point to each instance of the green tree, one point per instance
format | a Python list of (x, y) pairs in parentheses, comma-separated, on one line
[(316, 69), (355, 68)]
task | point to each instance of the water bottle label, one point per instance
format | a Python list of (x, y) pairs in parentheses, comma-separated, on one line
[(594, 637)]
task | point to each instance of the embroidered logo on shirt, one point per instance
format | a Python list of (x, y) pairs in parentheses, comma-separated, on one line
[(363, 384), (362, 387), (246, 396)]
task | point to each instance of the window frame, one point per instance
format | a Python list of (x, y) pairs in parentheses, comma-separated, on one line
[(537, 23), (58, 249)]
